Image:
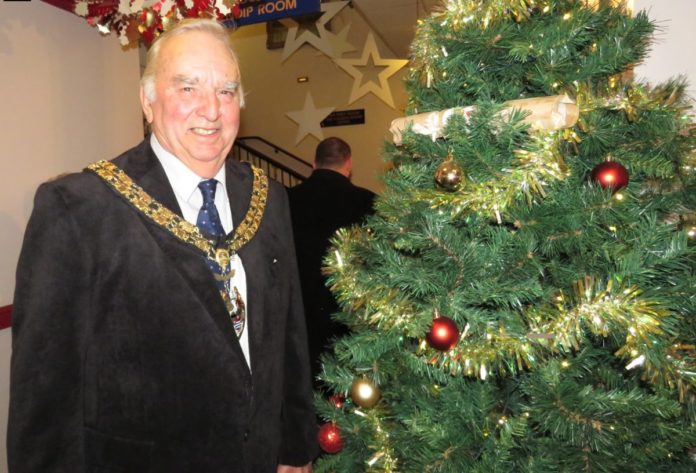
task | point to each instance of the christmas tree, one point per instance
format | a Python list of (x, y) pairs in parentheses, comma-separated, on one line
[(523, 300)]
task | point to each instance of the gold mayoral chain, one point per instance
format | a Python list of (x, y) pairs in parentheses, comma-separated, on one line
[(117, 179)]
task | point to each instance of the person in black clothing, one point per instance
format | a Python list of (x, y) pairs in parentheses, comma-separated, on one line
[(147, 334), (319, 206)]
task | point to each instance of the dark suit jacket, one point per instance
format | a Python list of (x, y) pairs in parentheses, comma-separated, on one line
[(124, 358), (319, 206)]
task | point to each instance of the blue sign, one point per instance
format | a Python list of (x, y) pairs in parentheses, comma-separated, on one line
[(259, 11)]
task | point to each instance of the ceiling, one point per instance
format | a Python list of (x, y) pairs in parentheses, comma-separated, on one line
[(394, 21)]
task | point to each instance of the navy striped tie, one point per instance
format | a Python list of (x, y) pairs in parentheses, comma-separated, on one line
[(209, 223)]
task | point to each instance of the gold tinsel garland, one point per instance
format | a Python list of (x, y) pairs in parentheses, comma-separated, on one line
[(603, 308), (535, 168)]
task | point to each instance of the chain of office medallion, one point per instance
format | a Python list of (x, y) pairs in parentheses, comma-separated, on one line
[(174, 224)]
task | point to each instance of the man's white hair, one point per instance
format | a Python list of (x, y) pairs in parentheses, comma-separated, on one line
[(212, 27)]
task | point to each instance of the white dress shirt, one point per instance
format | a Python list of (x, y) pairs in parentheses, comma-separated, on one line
[(185, 182)]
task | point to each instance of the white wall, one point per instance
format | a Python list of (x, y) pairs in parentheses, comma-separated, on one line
[(672, 52), (67, 97)]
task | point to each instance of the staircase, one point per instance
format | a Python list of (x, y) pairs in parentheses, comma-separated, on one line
[(278, 164)]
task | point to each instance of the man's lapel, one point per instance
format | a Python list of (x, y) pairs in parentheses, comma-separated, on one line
[(146, 171), (239, 186)]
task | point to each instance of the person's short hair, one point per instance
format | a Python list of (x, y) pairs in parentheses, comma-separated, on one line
[(331, 152), (188, 25)]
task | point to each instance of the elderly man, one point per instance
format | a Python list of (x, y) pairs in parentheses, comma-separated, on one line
[(158, 322)]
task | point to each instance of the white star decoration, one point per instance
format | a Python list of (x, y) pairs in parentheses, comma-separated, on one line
[(381, 90), (339, 43), (309, 119), (328, 43)]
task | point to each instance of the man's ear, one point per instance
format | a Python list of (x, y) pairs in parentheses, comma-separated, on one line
[(146, 105)]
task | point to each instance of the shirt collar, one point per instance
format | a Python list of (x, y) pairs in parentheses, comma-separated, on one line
[(183, 180)]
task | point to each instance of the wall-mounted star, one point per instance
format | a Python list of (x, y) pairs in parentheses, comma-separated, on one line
[(371, 53), (339, 43), (309, 119), (328, 43)]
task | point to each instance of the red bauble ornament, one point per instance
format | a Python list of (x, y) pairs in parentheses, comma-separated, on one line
[(610, 175), (443, 334), (236, 11), (330, 438), (337, 400)]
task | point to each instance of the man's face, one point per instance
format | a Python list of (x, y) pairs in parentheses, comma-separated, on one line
[(195, 114)]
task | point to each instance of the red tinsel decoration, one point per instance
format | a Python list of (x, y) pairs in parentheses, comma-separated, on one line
[(102, 8), (148, 36), (133, 23)]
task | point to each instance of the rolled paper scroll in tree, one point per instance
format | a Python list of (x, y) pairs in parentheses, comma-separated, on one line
[(544, 113)]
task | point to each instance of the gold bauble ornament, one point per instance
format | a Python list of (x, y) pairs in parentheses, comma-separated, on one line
[(449, 175), (364, 393)]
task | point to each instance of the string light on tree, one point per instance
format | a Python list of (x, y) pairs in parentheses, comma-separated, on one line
[(691, 233)]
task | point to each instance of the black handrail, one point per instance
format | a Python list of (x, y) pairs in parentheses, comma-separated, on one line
[(290, 173)]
